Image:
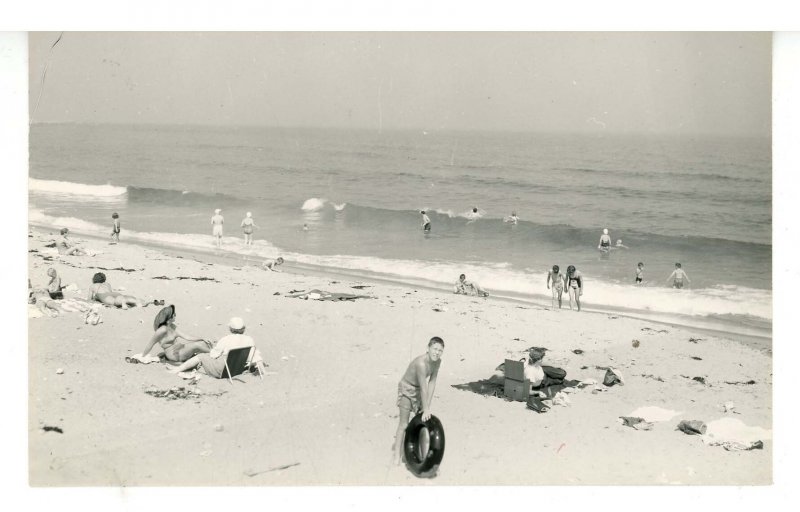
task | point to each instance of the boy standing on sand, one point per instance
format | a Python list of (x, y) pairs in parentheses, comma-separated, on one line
[(677, 276), (115, 228), (558, 285), (216, 222), (415, 390), (426, 222)]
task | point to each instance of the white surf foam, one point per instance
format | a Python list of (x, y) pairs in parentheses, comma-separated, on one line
[(74, 189)]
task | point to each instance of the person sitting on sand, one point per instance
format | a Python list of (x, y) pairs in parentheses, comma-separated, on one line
[(415, 390), (166, 335), (574, 283), (54, 286), (248, 224), (102, 292), (41, 297), (464, 287), (213, 362), (558, 285), (271, 265), (677, 276), (538, 375), (65, 247)]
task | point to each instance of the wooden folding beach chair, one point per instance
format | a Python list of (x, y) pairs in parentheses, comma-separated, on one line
[(237, 362)]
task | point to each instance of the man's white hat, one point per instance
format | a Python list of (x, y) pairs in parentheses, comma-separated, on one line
[(236, 323), (249, 214), (217, 211), (605, 230)]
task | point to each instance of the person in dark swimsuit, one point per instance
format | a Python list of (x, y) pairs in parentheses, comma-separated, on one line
[(574, 282)]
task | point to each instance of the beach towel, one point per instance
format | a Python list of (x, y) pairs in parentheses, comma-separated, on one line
[(733, 434), (651, 414), (323, 295), (139, 359)]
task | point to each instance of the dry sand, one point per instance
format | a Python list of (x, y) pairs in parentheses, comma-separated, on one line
[(325, 413)]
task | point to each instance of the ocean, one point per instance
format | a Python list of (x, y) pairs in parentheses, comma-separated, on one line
[(703, 201)]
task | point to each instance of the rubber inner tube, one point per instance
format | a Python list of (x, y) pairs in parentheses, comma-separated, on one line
[(424, 444)]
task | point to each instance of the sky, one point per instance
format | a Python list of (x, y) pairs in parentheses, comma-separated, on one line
[(620, 82)]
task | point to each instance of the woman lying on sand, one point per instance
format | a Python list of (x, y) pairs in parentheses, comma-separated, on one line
[(101, 291), (167, 334)]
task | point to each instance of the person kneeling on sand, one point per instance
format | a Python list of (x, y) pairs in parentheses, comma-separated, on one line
[(65, 247), (464, 287), (271, 265), (166, 335), (213, 363), (101, 291), (415, 390)]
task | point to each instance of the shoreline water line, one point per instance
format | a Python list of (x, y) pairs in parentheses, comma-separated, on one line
[(758, 336)]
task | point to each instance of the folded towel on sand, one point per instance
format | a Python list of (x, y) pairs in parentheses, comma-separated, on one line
[(654, 414), (139, 359)]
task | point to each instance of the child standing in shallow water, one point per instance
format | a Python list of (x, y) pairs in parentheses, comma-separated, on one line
[(639, 273), (677, 276), (115, 229)]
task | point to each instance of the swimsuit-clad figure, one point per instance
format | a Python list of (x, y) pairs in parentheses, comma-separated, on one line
[(574, 282), (102, 292), (415, 390), (167, 334), (605, 241), (558, 285), (216, 222), (677, 276), (248, 224)]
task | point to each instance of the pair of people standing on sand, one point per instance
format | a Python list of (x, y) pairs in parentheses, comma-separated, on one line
[(217, 222), (572, 281)]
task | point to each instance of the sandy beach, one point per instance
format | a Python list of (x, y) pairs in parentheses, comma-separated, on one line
[(325, 412)]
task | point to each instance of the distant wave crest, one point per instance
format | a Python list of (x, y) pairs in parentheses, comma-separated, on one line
[(76, 189)]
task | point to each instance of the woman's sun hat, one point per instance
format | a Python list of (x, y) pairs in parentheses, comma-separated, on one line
[(217, 211), (236, 323)]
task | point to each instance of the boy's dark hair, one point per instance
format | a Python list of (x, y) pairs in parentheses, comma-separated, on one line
[(436, 339), (555, 268), (115, 215), (64, 231), (640, 264), (422, 212), (678, 265), (99, 278)]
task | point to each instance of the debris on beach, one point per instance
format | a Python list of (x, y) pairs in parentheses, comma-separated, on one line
[(650, 376), (440, 309), (60, 371), (695, 340), (729, 407), (701, 380), (697, 358), (179, 393), (692, 427), (734, 435), (654, 414), (745, 383), (648, 330), (48, 428), (181, 278), (613, 377), (251, 472), (635, 343), (636, 423), (361, 286), (577, 351)]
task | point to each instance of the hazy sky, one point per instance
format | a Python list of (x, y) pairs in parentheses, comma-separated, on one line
[(542, 81)]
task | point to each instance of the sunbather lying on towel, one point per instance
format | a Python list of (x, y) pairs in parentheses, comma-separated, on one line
[(213, 363), (464, 287), (103, 293), (166, 335)]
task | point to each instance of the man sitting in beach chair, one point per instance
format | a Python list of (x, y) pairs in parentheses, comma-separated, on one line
[(214, 362), (465, 287)]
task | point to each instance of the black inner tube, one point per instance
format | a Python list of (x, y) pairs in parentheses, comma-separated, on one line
[(415, 441)]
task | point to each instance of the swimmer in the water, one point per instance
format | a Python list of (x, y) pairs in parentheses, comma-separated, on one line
[(619, 245), (605, 241), (426, 222), (248, 225), (639, 273), (305, 227), (677, 276), (512, 218)]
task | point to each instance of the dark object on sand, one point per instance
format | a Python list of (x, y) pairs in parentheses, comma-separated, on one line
[(432, 445), (697, 358), (181, 278), (51, 246), (577, 351), (635, 343), (48, 428), (611, 378), (636, 423), (701, 380), (537, 404), (747, 383), (692, 427), (695, 340), (361, 286)]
